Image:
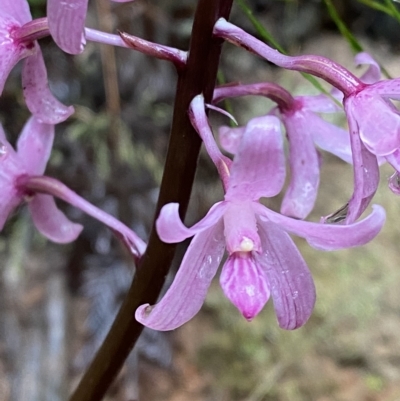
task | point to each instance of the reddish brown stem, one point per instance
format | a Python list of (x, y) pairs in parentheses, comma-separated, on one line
[(198, 76)]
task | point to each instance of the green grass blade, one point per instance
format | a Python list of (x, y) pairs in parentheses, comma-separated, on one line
[(263, 32), (347, 34), (389, 8), (375, 5), (353, 42), (393, 10)]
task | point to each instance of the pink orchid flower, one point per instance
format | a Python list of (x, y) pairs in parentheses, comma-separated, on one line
[(304, 129), (262, 258), (21, 179), (40, 101), (30, 159), (374, 122)]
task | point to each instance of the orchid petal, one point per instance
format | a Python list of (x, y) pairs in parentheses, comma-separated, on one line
[(66, 24), (34, 146), (366, 174), (9, 198), (329, 237), (378, 122), (259, 166), (10, 168), (200, 123), (51, 222), (291, 284), (389, 88), (38, 97), (331, 138), (230, 137), (170, 228), (373, 74), (245, 284), (187, 292), (394, 159), (19, 9), (302, 191), (337, 94), (10, 52), (319, 104)]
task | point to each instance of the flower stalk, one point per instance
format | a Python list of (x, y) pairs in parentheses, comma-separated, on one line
[(51, 186), (180, 167), (178, 57), (39, 29), (321, 67)]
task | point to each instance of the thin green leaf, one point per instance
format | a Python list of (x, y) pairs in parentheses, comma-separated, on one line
[(264, 33), (395, 13), (389, 9), (375, 5), (353, 42), (347, 34)]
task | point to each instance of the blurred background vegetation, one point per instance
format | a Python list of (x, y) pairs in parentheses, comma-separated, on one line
[(58, 301)]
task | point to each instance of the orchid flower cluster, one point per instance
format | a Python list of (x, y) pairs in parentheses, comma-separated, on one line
[(262, 260)]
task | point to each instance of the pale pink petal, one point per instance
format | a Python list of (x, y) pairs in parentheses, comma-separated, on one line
[(302, 191), (319, 104), (67, 23), (170, 228), (34, 146), (389, 88), (187, 293), (366, 174), (245, 284), (9, 197), (378, 122), (329, 237), (51, 221), (330, 138), (19, 9), (9, 161), (259, 165), (291, 284), (10, 168), (9, 57), (337, 94), (373, 74), (40, 101), (200, 123), (230, 137), (10, 51), (394, 159)]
